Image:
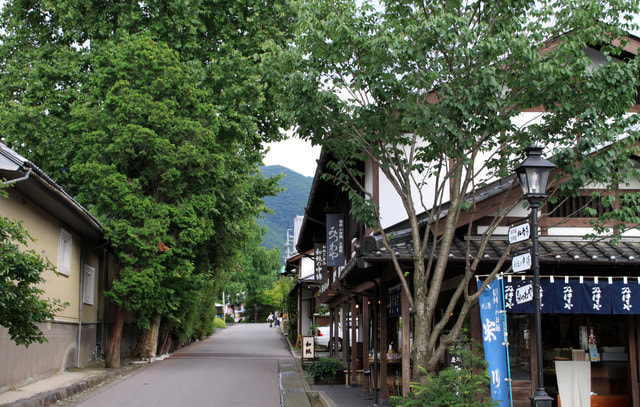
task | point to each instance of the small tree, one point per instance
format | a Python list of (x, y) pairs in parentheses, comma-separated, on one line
[(465, 382), (21, 302)]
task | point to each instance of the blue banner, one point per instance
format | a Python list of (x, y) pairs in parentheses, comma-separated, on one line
[(596, 297), (493, 335), (587, 295), (567, 296), (625, 298)]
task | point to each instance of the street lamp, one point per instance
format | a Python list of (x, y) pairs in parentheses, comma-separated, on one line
[(533, 175)]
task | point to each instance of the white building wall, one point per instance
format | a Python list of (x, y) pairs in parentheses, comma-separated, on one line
[(306, 267)]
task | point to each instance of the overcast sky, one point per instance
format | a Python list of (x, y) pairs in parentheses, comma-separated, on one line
[(295, 154)]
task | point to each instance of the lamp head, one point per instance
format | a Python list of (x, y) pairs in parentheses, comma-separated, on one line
[(533, 175)]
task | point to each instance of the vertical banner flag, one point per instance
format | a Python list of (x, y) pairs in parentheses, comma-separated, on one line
[(335, 240), (493, 335)]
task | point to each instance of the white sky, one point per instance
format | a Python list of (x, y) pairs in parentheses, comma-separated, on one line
[(293, 153)]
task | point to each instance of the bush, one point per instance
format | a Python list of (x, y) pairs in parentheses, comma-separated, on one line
[(464, 383), (325, 368), (229, 319), (218, 323)]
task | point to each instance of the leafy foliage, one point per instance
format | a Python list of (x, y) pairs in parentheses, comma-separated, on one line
[(464, 383), (153, 115), (21, 302), (218, 323), (275, 297), (255, 275), (325, 368)]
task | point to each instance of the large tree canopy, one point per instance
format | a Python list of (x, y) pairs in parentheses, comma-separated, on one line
[(440, 96), (154, 114)]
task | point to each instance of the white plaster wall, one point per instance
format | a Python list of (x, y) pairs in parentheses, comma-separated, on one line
[(306, 267)]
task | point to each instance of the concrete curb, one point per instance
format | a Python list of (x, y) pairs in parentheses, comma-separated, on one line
[(295, 387), (51, 397), (310, 394)]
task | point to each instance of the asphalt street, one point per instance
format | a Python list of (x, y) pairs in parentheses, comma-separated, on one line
[(235, 367)]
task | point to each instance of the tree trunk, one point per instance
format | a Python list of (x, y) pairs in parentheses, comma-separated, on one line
[(422, 329), (148, 340), (165, 343), (112, 354)]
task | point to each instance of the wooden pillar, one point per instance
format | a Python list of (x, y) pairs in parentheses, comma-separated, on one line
[(406, 344), (384, 314), (366, 303), (300, 301), (354, 343), (345, 334), (335, 331)]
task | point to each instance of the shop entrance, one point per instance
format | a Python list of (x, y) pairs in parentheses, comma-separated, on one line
[(601, 341)]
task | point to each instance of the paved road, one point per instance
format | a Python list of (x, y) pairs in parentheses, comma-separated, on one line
[(235, 367)]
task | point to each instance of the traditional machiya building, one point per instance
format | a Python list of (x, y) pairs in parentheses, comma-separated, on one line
[(72, 239), (590, 292), (590, 303)]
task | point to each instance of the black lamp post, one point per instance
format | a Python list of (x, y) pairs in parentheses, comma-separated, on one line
[(533, 174)]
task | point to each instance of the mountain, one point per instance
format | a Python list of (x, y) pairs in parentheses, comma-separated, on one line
[(289, 204)]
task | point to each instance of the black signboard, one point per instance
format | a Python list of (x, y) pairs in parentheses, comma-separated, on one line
[(395, 303), (335, 240)]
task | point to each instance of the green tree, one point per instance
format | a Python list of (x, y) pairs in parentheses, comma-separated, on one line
[(275, 298), (430, 92), (255, 274), (148, 155), (21, 302), (154, 115)]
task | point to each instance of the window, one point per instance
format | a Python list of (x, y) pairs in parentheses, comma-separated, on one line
[(89, 284), (64, 253), (574, 207)]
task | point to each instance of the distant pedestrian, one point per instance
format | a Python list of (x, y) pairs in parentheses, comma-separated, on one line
[(270, 319), (277, 321)]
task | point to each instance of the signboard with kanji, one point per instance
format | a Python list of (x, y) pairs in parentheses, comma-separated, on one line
[(395, 303), (320, 261), (519, 233), (521, 263), (307, 347), (335, 240)]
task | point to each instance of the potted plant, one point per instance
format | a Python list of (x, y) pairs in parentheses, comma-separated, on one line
[(326, 371)]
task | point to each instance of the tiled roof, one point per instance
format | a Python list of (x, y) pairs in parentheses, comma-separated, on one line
[(551, 250), (39, 187)]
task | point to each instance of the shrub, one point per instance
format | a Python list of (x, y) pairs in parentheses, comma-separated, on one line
[(325, 368), (219, 323), (465, 383), (229, 319)]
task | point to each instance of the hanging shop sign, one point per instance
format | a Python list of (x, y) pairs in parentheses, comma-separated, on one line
[(579, 295), (519, 233), (335, 240), (395, 303), (524, 292), (494, 340), (320, 261), (521, 262)]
